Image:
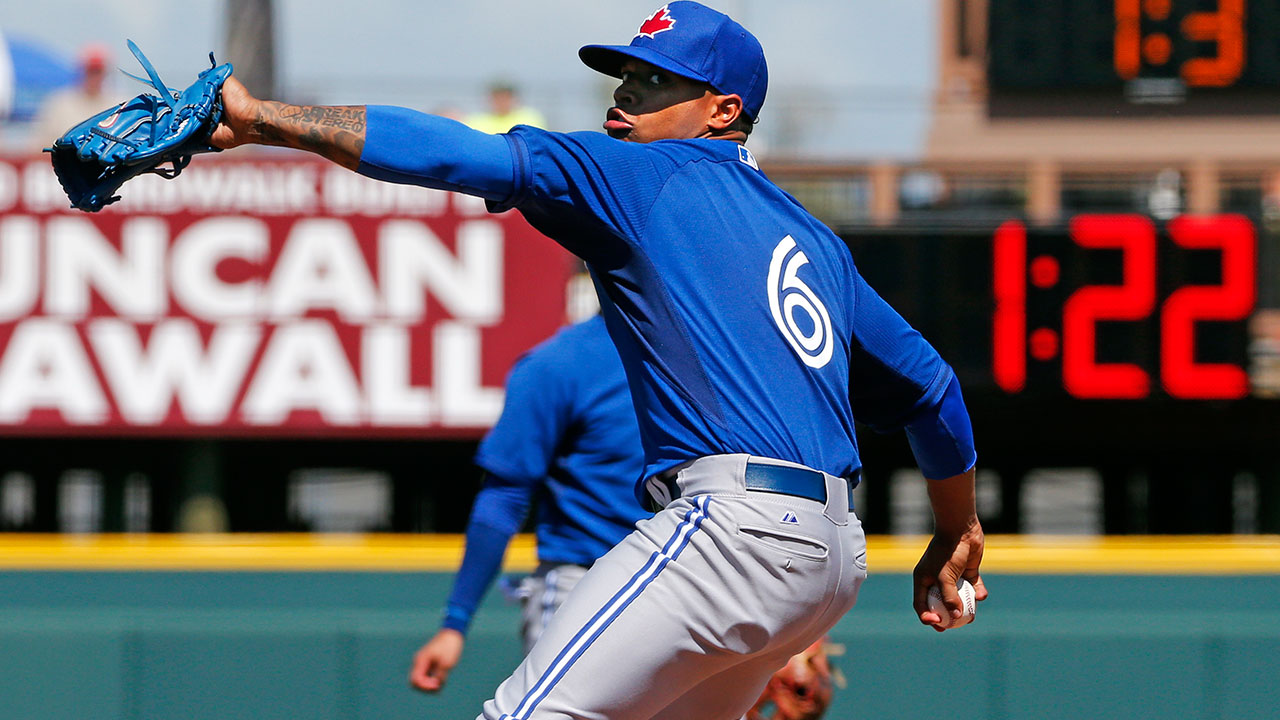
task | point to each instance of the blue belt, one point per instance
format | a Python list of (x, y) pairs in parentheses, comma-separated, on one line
[(799, 482), (783, 480)]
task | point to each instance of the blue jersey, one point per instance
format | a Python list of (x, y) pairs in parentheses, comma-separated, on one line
[(742, 323), (741, 320), (568, 438)]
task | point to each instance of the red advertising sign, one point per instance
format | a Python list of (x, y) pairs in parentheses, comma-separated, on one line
[(281, 296)]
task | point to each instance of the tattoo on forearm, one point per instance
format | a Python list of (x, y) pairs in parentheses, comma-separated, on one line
[(343, 118), (333, 132)]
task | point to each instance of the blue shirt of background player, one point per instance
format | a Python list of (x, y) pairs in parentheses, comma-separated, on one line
[(566, 441), (682, 236)]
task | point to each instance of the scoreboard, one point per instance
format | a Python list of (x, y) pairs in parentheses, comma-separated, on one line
[(1101, 57), (1110, 341), (1207, 291), (1104, 307)]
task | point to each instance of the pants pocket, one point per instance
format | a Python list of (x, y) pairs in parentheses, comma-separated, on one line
[(790, 544)]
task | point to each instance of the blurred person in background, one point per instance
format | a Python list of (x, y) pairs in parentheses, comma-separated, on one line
[(505, 111), (567, 441), (64, 109)]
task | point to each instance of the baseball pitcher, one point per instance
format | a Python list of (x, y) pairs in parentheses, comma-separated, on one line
[(750, 343)]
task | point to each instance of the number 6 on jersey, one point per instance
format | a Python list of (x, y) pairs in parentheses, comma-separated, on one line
[(787, 293)]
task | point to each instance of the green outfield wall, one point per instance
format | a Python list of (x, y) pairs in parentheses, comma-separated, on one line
[(256, 644)]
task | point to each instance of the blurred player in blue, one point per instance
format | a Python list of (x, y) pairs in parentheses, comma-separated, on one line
[(567, 440), (750, 343)]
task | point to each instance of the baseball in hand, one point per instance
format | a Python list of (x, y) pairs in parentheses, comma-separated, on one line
[(965, 588)]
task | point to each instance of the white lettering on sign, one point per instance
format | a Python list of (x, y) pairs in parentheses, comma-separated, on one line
[(194, 260), (470, 205), (321, 268), (9, 186), (145, 322), (226, 186), (346, 193), (303, 368), (19, 269), (80, 259), (468, 284), (174, 364), (384, 365), (463, 400), (45, 367), (205, 187), (40, 189)]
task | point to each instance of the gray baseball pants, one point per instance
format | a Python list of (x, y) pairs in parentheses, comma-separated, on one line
[(542, 594), (690, 615)]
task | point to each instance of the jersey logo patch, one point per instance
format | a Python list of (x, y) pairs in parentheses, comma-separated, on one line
[(813, 341), (790, 519), (659, 21), (745, 156)]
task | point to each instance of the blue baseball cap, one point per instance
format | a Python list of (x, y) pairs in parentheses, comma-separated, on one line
[(693, 41)]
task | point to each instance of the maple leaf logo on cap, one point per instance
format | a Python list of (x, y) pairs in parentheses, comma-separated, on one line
[(659, 21)]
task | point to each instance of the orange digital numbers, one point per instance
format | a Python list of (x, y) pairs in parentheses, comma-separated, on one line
[(1128, 41), (1224, 28)]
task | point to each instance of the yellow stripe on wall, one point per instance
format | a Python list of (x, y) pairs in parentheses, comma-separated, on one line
[(1128, 555), (1163, 555), (305, 552)]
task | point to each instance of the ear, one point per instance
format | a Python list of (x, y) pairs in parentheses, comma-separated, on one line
[(725, 113)]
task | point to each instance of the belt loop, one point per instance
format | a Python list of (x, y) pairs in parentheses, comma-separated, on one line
[(659, 492), (838, 500)]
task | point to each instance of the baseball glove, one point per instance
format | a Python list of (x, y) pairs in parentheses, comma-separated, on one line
[(93, 159), (801, 690)]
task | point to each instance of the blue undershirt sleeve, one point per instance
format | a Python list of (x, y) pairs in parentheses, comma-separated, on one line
[(499, 511), (413, 148), (941, 436)]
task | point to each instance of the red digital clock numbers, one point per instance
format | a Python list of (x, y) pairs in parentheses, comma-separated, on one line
[(1233, 236), (1224, 29), (1134, 299), (1009, 326)]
